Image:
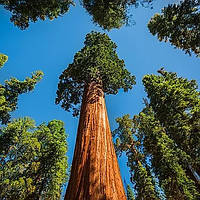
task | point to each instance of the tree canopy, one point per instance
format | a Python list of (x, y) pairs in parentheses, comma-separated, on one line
[(24, 12), (96, 62), (110, 14), (10, 91), (32, 160), (165, 135), (129, 141), (176, 103), (180, 25)]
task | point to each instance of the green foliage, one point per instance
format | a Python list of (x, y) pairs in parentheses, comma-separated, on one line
[(180, 24), (10, 91), (176, 103), (96, 62), (130, 195), (110, 13), (165, 135), (24, 12), (129, 141), (165, 160), (32, 160), (3, 59)]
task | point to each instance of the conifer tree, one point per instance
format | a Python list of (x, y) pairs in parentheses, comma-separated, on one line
[(176, 104), (165, 159), (168, 130), (126, 142), (180, 25), (24, 12), (10, 91), (96, 70), (110, 14), (32, 160)]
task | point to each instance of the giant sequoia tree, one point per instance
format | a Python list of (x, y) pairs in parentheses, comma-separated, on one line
[(96, 70), (24, 12), (180, 25)]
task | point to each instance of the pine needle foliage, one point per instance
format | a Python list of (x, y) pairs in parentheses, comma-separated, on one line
[(129, 142), (10, 91), (96, 62), (180, 25), (176, 104), (32, 160), (165, 135), (165, 161), (110, 14), (26, 11)]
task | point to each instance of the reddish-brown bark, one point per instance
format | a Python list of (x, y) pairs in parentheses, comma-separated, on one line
[(95, 173)]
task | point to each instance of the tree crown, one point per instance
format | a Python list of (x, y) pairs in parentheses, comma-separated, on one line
[(96, 62), (24, 12), (180, 24), (110, 14)]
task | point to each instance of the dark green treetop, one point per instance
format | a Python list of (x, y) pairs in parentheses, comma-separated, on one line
[(110, 14), (3, 59), (10, 91), (176, 104), (180, 24), (96, 62), (32, 160), (24, 12)]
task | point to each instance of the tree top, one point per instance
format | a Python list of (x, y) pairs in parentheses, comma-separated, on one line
[(96, 62)]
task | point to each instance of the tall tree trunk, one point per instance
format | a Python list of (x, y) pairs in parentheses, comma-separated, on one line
[(95, 173)]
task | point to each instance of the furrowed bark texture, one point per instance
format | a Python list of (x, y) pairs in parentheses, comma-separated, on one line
[(95, 172)]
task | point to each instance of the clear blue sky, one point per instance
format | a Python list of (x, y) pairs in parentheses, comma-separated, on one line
[(50, 46)]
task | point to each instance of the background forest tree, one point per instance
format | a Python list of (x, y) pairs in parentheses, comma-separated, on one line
[(33, 159), (165, 137)]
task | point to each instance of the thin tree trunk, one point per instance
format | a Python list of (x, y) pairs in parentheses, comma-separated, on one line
[(95, 173)]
